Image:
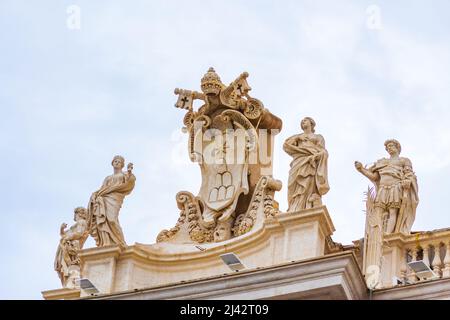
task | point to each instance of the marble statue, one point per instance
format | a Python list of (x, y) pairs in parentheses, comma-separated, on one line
[(105, 203), (224, 139), (396, 187), (308, 176), (67, 262)]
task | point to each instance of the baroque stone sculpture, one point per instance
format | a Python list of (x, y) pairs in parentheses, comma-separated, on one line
[(396, 187), (231, 137), (67, 262), (391, 208), (308, 176), (105, 203)]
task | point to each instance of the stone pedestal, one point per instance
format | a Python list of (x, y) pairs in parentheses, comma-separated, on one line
[(305, 233), (99, 266), (62, 293), (285, 238), (393, 259)]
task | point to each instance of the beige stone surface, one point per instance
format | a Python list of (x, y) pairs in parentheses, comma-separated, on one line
[(331, 277), (428, 290), (61, 294), (101, 269)]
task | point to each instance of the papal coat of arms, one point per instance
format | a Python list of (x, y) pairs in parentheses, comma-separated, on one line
[(231, 137)]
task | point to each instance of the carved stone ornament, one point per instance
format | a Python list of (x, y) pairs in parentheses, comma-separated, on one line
[(231, 137)]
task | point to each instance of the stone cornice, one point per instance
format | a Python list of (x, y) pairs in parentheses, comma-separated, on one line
[(62, 293), (432, 289), (247, 242), (99, 253), (309, 215), (336, 274)]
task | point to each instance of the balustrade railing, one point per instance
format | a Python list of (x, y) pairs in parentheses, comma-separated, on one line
[(433, 248)]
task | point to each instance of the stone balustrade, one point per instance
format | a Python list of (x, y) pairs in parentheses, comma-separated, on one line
[(433, 248)]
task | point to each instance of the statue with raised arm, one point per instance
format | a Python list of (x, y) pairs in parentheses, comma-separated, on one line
[(308, 177), (67, 262), (105, 204), (396, 187)]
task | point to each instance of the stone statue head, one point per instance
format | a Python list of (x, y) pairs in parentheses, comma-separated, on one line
[(118, 162), (392, 146), (79, 213), (304, 123), (222, 232)]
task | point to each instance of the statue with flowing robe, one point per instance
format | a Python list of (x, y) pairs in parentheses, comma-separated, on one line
[(67, 262), (396, 186), (105, 203), (308, 176)]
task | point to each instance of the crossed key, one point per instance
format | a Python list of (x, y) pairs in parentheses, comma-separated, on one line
[(185, 99)]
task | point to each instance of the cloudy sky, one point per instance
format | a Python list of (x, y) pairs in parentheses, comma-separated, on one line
[(71, 98)]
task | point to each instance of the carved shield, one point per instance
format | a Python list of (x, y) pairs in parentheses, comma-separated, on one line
[(222, 184), (225, 163)]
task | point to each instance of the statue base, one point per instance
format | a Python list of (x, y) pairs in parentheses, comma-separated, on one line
[(284, 238), (63, 293)]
